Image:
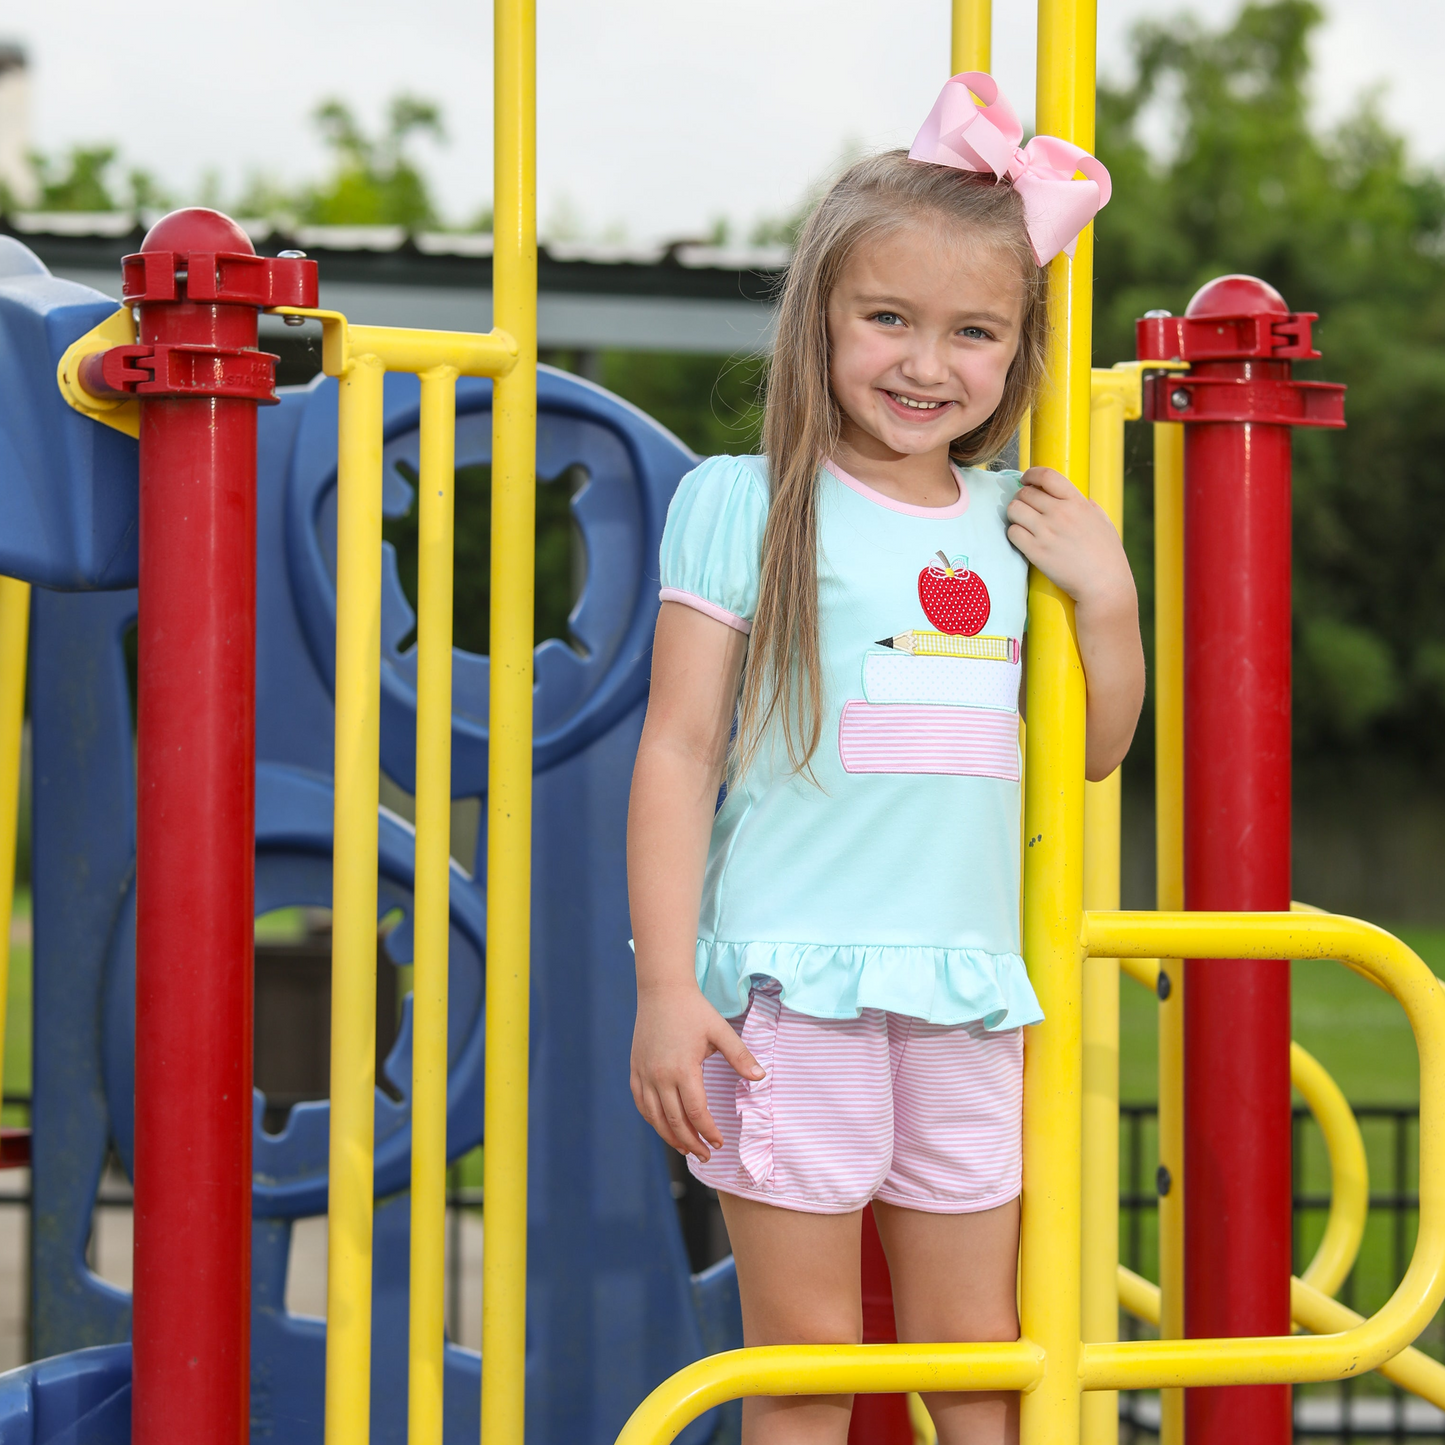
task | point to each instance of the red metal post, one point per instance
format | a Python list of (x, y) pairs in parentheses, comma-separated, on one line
[(878, 1419), (197, 285), (1239, 402)]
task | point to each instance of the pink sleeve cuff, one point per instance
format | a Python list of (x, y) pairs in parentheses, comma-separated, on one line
[(708, 609)]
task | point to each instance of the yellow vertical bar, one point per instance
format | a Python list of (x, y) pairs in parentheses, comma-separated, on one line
[(14, 632), (353, 904), (1053, 884), (436, 487), (972, 36), (1100, 1234), (509, 799), (1169, 881)]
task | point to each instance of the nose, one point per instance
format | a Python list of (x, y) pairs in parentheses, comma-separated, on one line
[(926, 362)]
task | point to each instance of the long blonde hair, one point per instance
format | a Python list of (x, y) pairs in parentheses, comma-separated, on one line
[(782, 681)]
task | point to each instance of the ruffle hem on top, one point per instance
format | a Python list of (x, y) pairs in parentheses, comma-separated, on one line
[(839, 981)]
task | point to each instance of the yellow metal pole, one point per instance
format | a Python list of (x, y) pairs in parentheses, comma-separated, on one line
[(509, 798), (972, 35), (1100, 1236), (1053, 880), (14, 631), (353, 904), (436, 488), (1169, 884)]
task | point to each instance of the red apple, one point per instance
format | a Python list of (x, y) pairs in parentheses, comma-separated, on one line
[(954, 599)]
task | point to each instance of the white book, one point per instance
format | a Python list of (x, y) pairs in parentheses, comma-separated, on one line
[(890, 676)]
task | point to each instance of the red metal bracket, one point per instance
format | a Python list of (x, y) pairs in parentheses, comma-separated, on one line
[(222, 277), (1261, 336), (1273, 401), (181, 371)]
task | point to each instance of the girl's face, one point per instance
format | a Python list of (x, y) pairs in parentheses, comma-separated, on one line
[(922, 329)]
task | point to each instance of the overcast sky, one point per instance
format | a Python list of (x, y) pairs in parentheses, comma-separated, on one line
[(655, 116)]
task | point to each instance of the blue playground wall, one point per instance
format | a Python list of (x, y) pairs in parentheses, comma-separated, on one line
[(612, 1308)]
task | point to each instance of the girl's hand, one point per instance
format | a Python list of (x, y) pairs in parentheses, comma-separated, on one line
[(676, 1029), (1071, 541)]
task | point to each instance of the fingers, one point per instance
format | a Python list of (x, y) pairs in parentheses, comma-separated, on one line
[(1047, 480), (694, 1102), (727, 1042), (676, 1119), (1023, 539)]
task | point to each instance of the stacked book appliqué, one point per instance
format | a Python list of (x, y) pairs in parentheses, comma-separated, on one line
[(946, 705)]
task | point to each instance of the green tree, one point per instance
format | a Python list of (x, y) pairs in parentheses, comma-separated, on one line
[(1341, 222), (82, 181), (374, 182)]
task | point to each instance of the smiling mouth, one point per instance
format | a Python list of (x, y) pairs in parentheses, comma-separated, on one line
[(913, 404)]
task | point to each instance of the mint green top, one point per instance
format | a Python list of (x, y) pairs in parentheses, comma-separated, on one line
[(892, 883)]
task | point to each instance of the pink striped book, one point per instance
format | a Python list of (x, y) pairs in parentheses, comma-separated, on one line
[(926, 738)]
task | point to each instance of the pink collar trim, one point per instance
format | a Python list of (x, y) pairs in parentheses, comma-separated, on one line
[(937, 514)]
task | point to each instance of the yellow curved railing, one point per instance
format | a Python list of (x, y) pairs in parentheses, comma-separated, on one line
[(1358, 1346), (1349, 1171), (1366, 1345)]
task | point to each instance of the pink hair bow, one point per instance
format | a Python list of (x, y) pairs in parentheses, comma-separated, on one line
[(970, 136)]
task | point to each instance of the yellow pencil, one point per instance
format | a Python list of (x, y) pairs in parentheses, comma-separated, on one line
[(943, 644)]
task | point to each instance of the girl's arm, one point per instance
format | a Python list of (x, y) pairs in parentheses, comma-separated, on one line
[(696, 665), (1073, 543)]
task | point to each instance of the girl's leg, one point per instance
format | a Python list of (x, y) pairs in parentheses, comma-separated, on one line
[(799, 1281), (955, 1278)]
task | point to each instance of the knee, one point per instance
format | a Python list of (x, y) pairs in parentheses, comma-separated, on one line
[(804, 1323)]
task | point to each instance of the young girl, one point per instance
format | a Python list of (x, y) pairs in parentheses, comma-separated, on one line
[(830, 991)]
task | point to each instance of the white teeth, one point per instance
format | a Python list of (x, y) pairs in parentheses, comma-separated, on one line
[(916, 405)]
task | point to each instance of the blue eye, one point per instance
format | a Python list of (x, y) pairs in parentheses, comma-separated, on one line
[(887, 318), (976, 333)]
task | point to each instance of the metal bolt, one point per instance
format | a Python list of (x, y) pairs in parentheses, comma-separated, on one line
[(292, 256), (1162, 1181), (1162, 985), (1179, 399), (1157, 315)]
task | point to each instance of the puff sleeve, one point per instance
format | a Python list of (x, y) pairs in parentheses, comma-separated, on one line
[(713, 541)]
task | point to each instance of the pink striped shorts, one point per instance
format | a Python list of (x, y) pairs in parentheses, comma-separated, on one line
[(883, 1106)]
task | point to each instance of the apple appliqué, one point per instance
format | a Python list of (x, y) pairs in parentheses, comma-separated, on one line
[(954, 599)]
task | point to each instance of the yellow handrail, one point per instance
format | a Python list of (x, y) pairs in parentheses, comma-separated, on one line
[(1301, 1358), (827, 1370), (14, 631), (1169, 880), (353, 903), (361, 356), (1049, 1283), (431, 910), (1114, 399), (509, 777), (1411, 1369)]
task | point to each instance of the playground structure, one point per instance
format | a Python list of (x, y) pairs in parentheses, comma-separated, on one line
[(610, 1305)]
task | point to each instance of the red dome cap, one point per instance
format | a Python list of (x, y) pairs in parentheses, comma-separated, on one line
[(1237, 296), (197, 229)]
